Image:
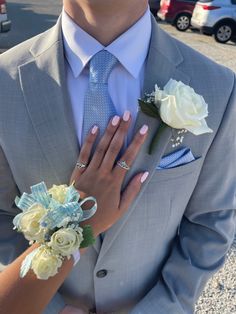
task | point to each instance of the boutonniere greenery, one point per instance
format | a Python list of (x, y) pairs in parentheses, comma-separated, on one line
[(177, 106)]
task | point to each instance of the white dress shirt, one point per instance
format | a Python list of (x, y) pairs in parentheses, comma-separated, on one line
[(126, 79)]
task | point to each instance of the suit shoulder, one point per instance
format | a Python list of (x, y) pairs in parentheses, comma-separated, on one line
[(198, 65), (215, 82), (18, 55), (202, 71)]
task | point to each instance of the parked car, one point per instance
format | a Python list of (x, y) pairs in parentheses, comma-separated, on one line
[(177, 12), (217, 18), (5, 24), (154, 6)]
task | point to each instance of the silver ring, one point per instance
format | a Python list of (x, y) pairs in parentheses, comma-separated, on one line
[(80, 165), (123, 164)]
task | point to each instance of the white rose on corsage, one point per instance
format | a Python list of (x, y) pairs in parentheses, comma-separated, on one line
[(45, 264), (178, 106), (29, 223), (65, 241), (58, 192)]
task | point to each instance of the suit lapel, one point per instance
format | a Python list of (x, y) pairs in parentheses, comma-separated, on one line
[(44, 87), (162, 64), (46, 98)]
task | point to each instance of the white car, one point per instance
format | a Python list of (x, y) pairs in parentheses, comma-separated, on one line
[(217, 18), (5, 24)]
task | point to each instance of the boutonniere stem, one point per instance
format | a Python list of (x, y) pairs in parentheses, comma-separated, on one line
[(152, 111), (156, 137)]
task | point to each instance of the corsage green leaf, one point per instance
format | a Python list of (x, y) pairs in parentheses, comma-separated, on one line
[(88, 237)]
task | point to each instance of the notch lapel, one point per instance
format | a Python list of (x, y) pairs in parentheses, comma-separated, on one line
[(44, 87), (45, 93), (162, 64)]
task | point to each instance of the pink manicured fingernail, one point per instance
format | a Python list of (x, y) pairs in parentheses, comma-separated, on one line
[(144, 177), (94, 129), (115, 120), (143, 129), (126, 116)]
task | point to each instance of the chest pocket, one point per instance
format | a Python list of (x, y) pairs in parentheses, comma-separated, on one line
[(178, 172)]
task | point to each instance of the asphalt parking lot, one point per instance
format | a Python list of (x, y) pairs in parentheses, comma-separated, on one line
[(29, 18)]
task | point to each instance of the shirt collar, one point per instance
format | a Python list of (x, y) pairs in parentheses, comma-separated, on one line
[(131, 48)]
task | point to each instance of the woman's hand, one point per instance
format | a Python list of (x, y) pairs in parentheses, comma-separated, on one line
[(102, 178)]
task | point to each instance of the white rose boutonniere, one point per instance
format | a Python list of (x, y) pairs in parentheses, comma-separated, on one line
[(182, 108), (178, 106)]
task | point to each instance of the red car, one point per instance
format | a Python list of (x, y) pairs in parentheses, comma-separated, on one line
[(5, 24), (177, 12)]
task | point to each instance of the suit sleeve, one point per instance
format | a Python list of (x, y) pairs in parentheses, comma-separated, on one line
[(206, 231), (12, 244)]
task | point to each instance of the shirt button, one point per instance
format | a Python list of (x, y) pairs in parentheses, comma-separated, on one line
[(101, 273)]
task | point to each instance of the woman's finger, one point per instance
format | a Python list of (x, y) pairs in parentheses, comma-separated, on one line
[(130, 154), (84, 155), (104, 142), (117, 143), (131, 191)]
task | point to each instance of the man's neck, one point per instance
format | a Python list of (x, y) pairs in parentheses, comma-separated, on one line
[(105, 22)]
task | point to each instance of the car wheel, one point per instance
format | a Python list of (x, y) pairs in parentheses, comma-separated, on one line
[(182, 22), (223, 32)]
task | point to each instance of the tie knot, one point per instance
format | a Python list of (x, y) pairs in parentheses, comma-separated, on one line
[(101, 66)]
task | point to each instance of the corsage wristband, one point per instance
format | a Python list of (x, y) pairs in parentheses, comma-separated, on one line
[(76, 256), (52, 219)]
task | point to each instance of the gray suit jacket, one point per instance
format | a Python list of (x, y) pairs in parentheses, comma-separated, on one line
[(159, 256)]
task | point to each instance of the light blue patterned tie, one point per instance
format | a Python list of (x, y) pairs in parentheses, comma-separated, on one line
[(98, 106)]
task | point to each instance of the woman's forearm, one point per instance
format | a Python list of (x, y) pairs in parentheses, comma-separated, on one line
[(28, 295)]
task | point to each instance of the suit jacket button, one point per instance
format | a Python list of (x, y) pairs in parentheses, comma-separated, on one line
[(101, 273)]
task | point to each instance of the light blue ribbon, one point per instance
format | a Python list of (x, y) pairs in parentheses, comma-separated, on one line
[(58, 214)]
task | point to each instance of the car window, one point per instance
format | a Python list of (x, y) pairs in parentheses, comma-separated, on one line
[(233, 1)]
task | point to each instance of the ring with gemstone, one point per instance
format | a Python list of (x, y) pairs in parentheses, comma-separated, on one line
[(123, 164), (80, 165)]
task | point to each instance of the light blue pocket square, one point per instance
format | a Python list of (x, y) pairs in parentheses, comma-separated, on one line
[(178, 158)]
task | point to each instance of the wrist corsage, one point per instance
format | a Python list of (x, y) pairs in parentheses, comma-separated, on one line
[(52, 219)]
